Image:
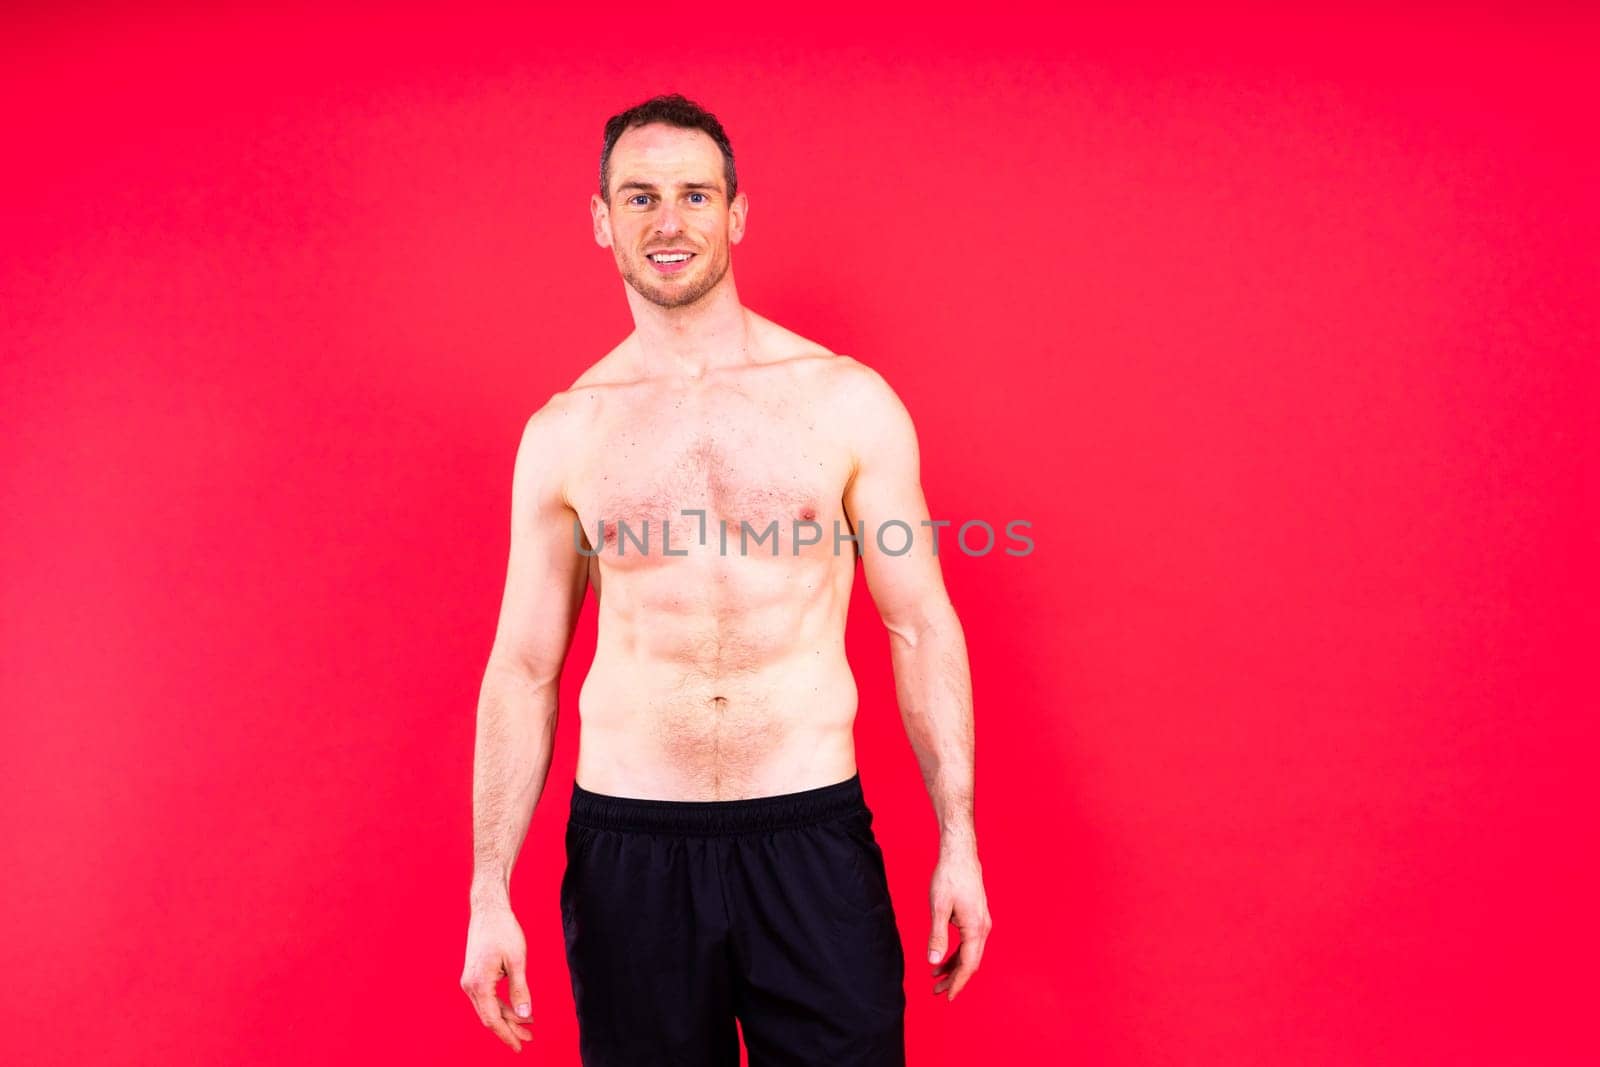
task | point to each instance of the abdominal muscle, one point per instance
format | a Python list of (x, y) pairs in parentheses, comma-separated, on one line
[(704, 695)]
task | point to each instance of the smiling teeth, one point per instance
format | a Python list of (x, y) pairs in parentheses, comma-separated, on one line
[(675, 257)]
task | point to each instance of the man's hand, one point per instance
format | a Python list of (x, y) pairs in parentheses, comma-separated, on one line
[(495, 947), (957, 897)]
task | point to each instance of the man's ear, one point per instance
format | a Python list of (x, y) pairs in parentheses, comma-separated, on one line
[(602, 220), (737, 211)]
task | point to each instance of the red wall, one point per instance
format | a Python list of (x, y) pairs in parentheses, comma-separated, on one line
[(1280, 332)]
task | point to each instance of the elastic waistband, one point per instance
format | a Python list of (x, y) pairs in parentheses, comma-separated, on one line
[(783, 811)]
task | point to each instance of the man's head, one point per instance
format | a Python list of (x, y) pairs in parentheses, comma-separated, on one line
[(668, 190)]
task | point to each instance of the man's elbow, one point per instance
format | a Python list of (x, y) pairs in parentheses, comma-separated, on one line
[(537, 674), (921, 622)]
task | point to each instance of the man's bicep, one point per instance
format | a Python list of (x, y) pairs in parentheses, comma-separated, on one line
[(885, 501), (545, 573)]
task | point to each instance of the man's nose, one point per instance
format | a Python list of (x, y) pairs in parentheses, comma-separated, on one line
[(667, 220)]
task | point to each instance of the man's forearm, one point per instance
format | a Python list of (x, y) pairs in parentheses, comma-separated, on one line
[(515, 735), (933, 684)]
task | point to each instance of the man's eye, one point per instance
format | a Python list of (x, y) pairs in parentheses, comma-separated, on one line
[(638, 198), (698, 198)]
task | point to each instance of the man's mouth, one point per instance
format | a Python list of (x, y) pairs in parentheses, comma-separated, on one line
[(670, 262)]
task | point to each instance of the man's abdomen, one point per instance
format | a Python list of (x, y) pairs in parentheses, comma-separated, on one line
[(685, 730)]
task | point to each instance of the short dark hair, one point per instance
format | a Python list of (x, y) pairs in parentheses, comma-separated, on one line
[(671, 109)]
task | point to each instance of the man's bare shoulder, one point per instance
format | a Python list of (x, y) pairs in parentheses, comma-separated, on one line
[(860, 390), (558, 425), (570, 410), (867, 414), (834, 383), (778, 344), (615, 368)]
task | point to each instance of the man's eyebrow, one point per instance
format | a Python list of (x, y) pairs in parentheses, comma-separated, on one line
[(650, 188)]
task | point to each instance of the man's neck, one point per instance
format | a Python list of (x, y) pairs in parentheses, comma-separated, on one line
[(686, 342)]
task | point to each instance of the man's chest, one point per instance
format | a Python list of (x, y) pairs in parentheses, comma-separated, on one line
[(739, 457)]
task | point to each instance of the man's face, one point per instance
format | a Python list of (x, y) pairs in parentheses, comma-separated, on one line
[(668, 201)]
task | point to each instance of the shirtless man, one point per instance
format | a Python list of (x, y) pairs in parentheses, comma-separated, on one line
[(720, 857)]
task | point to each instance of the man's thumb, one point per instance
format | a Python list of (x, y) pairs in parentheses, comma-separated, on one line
[(940, 936), (520, 1001)]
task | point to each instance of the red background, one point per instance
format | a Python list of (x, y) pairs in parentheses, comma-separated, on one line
[(1278, 329)]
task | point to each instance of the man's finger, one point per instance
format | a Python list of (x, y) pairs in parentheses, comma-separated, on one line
[(512, 1023), (503, 1022), (958, 979), (487, 1006), (946, 971), (971, 954), (517, 986), (939, 939)]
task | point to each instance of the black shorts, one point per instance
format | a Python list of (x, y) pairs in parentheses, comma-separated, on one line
[(682, 916)]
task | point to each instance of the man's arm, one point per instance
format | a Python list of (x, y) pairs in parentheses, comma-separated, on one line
[(928, 650), (517, 710)]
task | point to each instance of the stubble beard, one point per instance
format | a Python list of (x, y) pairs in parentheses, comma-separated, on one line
[(663, 292)]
